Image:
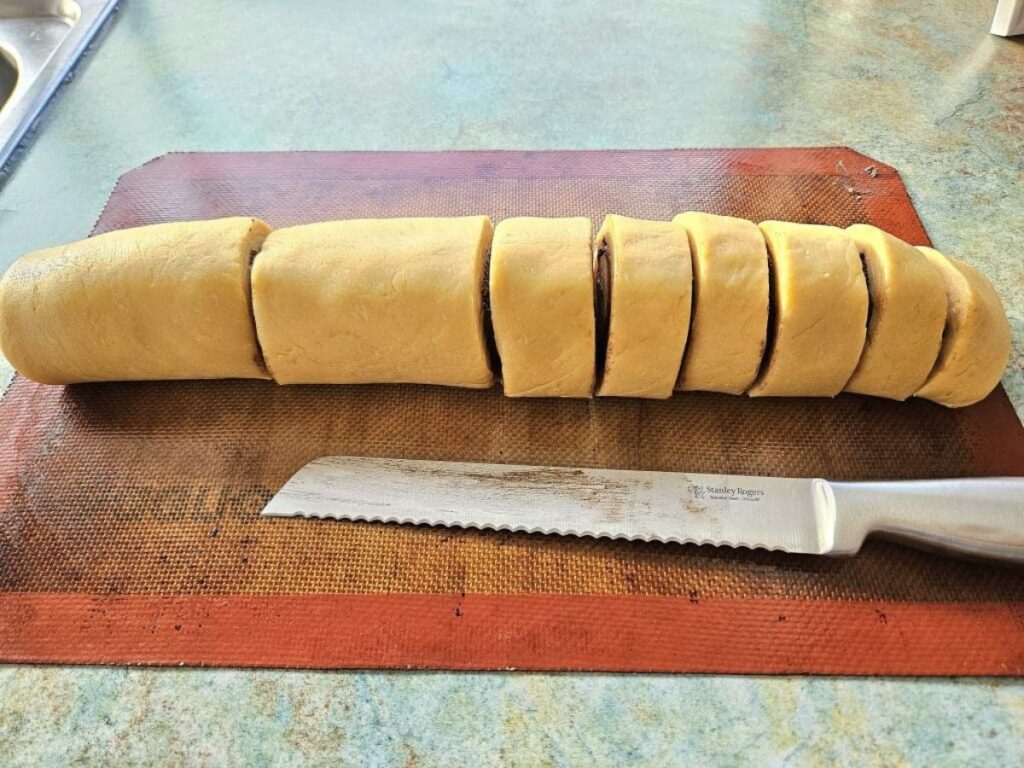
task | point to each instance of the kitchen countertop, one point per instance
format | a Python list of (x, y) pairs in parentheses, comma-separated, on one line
[(918, 85)]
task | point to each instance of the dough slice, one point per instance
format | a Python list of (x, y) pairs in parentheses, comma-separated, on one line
[(542, 306), (908, 311), (730, 303), (168, 301), (976, 342), (645, 268), (821, 306), (375, 300)]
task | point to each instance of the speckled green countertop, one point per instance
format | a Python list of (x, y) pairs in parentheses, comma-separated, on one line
[(918, 85)]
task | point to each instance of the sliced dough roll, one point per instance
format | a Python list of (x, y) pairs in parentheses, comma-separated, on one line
[(976, 343), (730, 303), (375, 301), (168, 301), (645, 267), (821, 306), (908, 311), (542, 306)]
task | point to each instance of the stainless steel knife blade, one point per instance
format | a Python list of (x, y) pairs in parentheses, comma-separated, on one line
[(981, 517)]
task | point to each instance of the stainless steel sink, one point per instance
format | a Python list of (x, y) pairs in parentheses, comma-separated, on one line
[(40, 42)]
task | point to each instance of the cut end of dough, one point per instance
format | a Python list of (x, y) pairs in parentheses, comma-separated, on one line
[(648, 295), (906, 316), (165, 301), (258, 233), (375, 301), (821, 304), (730, 316), (976, 339), (542, 306)]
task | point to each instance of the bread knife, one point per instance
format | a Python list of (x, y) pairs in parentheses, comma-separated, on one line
[(975, 517)]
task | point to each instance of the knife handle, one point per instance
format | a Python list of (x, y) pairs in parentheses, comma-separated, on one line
[(973, 517)]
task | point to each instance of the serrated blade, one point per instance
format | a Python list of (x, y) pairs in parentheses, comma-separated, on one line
[(724, 510)]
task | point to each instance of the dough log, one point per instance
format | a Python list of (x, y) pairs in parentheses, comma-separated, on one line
[(908, 311), (730, 303), (776, 309), (646, 265), (821, 305), (168, 301), (976, 343), (375, 300), (542, 306)]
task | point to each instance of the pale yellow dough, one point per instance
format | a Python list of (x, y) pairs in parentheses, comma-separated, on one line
[(976, 343), (648, 288), (821, 305), (908, 311), (730, 303), (375, 300), (542, 306), (168, 301)]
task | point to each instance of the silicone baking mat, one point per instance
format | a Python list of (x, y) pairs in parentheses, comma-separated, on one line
[(129, 513)]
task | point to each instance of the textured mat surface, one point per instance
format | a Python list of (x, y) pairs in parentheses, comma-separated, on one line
[(129, 527)]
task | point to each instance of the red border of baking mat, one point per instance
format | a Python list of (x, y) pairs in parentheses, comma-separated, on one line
[(612, 632)]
